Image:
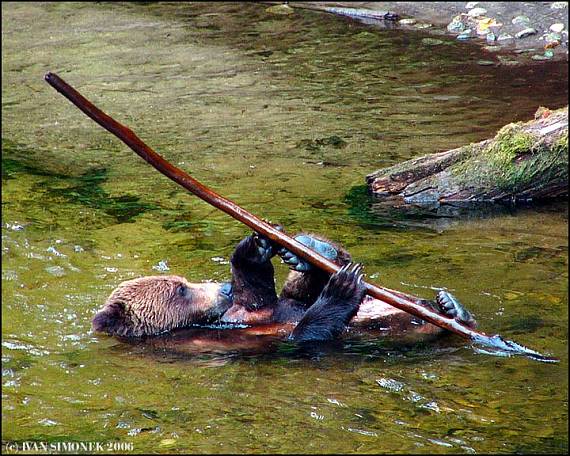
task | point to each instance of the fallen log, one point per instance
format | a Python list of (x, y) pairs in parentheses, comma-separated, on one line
[(523, 162)]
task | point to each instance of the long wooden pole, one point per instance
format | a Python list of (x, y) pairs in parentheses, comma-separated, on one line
[(396, 299)]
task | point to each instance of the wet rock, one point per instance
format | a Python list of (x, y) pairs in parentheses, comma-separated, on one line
[(485, 62), (521, 20), (476, 12), (491, 37), (552, 40), (552, 44), (559, 5), (456, 25), (505, 37), (407, 22), (552, 37), (526, 32), (465, 35), (557, 28), (485, 24), (471, 5), (423, 26)]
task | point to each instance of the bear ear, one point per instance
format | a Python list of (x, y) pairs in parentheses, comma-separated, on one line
[(112, 319)]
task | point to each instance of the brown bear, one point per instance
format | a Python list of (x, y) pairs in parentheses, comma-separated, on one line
[(313, 305), (155, 304)]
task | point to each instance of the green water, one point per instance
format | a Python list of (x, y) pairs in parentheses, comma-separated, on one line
[(286, 116)]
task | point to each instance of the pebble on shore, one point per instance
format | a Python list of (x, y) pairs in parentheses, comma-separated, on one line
[(526, 32), (478, 22)]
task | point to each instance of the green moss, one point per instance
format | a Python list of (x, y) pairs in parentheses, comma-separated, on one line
[(514, 161), (510, 143)]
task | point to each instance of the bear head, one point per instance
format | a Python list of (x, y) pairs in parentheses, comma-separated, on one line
[(155, 304)]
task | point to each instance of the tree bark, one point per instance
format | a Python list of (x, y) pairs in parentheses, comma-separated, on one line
[(523, 162)]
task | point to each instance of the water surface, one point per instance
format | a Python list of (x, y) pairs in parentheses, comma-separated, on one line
[(286, 116)]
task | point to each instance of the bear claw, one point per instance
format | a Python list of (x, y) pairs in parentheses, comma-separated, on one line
[(264, 248), (347, 282)]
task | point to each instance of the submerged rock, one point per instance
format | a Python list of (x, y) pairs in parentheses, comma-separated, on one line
[(56, 271), (280, 9), (432, 42), (465, 35), (162, 266)]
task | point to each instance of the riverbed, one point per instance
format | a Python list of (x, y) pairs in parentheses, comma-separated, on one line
[(285, 115)]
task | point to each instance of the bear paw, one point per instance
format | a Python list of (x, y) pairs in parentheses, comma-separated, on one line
[(452, 308), (347, 283), (298, 264)]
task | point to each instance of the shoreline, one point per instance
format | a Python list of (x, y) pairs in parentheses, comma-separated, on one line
[(529, 32)]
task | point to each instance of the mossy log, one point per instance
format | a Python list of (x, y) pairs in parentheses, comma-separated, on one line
[(523, 162)]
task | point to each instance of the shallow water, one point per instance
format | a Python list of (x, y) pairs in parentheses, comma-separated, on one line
[(284, 115)]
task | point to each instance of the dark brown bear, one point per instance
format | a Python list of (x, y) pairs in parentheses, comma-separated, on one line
[(313, 304)]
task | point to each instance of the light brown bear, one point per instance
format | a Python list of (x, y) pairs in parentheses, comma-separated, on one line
[(313, 305)]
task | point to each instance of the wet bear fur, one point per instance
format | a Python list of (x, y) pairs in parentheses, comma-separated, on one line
[(155, 304), (320, 306)]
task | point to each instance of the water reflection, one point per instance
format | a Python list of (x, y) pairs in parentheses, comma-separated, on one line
[(386, 213)]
